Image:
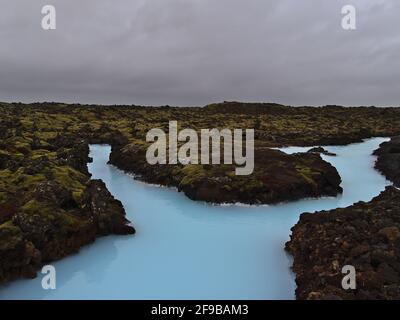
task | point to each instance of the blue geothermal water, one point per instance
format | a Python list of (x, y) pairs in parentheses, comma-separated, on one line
[(192, 250)]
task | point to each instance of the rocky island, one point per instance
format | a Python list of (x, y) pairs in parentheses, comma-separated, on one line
[(277, 177)]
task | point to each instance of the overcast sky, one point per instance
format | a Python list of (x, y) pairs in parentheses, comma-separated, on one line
[(195, 52)]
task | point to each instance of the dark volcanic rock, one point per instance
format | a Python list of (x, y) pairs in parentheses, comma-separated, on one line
[(107, 212), (4, 158), (388, 161), (277, 177), (365, 235), (52, 225), (48, 209), (54, 193), (321, 150), (7, 210), (76, 157), (18, 257)]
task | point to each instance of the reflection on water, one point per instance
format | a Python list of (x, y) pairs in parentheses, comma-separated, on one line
[(191, 250)]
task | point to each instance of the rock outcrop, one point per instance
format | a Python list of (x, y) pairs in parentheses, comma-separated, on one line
[(104, 210), (321, 150), (388, 161), (52, 224), (49, 207), (277, 177), (365, 235)]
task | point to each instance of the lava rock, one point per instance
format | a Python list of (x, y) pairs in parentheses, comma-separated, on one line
[(388, 161), (321, 150), (107, 212), (322, 243)]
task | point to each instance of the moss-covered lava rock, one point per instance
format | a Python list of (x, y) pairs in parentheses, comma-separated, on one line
[(49, 207), (277, 177)]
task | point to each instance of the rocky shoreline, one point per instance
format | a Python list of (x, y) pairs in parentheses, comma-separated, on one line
[(389, 160), (52, 225), (52, 208), (364, 235), (49, 207), (277, 177)]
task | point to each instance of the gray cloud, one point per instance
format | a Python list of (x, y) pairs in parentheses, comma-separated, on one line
[(193, 52)]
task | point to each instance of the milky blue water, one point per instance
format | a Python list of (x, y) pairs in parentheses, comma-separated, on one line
[(190, 250)]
